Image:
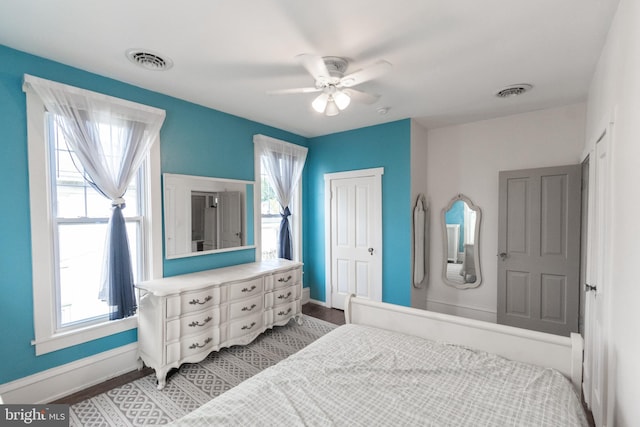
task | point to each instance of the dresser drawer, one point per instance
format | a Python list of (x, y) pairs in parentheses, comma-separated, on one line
[(282, 312), (286, 278), (192, 301), (281, 296), (246, 325), (195, 344), (192, 324), (245, 307), (245, 289)]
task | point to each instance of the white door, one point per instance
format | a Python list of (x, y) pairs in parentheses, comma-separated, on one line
[(355, 236), (595, 369), (230, 214)]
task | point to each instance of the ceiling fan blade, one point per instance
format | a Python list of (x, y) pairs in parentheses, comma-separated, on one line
[(360, 96), (366, 74), (293, 91), (315, 65)]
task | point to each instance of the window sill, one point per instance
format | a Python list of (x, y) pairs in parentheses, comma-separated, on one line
[(66, 339)]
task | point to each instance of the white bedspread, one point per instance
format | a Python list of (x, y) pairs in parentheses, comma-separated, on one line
[(361, 376)]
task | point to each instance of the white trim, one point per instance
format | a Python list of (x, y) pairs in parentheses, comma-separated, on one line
[(306, 295), (328, 177), (46, 338), (55, 383), (315, 301), (296, 208)]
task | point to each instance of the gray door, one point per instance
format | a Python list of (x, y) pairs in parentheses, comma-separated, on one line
[(539, 249)]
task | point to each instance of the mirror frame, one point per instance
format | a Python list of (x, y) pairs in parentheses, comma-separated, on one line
[(200, 184), (476, 239)]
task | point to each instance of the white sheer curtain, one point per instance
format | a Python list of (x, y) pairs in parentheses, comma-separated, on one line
[(109, 138), (283, 163)]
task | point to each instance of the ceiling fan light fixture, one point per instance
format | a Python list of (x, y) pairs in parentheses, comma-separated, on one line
[(342, 100), (320, 103), (332, 109)]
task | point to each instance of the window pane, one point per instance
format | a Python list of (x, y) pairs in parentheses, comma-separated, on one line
[(81, 251), (270, 210)]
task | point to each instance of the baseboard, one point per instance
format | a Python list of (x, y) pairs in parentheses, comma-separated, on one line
[(306, 295), (462, 311), (322, 303), (61, 381)]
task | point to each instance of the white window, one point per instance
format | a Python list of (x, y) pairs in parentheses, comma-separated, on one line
[(80, 217), (268, 222), (69, 221)]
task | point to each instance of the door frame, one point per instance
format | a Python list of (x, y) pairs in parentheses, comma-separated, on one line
[(328, 177), (603, 355)]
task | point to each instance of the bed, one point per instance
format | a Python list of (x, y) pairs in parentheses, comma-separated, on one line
[(392, 365)]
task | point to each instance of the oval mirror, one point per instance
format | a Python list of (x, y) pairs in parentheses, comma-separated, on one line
[(461, 238)]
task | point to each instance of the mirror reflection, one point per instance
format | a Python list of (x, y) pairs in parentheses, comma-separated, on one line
[(215, 220), (461, 220), (205, 215)]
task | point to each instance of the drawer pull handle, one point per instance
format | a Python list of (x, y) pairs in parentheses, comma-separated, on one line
[(284, 313), (197, 301), (245, 327), (285, 296), (249, 289), (204, 322), (249, 308), (283, 280), (196, 345)]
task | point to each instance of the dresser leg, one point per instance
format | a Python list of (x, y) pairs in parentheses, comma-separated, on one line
[(161, 375), (299, 320)]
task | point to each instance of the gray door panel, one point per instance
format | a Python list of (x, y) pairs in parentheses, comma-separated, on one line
[(539, 245)]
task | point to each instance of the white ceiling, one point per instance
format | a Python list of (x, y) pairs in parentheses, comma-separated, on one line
[(449, 56)]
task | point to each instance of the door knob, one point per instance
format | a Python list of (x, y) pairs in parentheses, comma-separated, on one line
[(503, 255), (370, 251), (588, 287)]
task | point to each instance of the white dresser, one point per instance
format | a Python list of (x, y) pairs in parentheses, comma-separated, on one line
[(184, 318)]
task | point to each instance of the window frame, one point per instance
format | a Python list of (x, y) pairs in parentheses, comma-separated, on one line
[(296, 207), (48, 337)]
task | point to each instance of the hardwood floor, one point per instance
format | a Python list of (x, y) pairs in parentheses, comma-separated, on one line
[(331, 315)]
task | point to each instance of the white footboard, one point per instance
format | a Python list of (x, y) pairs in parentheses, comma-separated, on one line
[(553, 351)]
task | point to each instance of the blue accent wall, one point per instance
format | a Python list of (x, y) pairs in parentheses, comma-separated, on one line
[(455, 215), (387, 146), (194, 140)]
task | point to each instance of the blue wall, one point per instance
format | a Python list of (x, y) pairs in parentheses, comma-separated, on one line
[(197, 141), (194, 140), (455, 215), (387, 146)]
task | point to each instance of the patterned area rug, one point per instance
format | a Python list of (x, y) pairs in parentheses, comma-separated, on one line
[(140, 403)]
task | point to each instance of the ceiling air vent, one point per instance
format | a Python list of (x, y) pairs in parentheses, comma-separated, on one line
[(513, 90), (149, 60)]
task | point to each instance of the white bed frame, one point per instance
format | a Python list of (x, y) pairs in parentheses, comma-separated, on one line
[(538, 348)]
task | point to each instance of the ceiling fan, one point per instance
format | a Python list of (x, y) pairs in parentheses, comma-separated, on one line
[(336, 87)]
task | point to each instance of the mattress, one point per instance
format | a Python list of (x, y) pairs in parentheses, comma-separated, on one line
[(362, 376)]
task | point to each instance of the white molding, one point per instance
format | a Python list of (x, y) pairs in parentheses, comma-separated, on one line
[(55, 383), (46, 337), (306, 295), (462, 310), (328, 177), (322, 303)]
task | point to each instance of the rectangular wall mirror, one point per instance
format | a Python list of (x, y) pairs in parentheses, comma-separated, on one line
[(204, 215)]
